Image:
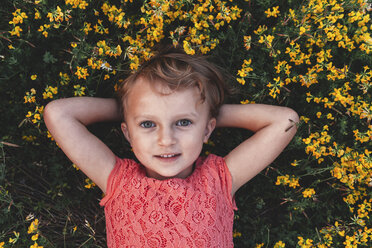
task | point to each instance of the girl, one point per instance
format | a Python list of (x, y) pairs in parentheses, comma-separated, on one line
[(170, 197)]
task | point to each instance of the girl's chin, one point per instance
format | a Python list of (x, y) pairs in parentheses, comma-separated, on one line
[(164, 176)]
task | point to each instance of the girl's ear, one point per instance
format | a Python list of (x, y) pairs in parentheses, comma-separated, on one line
[(209, 129), (124, 129)]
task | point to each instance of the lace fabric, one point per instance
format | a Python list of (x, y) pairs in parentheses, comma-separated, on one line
[(192, 212)]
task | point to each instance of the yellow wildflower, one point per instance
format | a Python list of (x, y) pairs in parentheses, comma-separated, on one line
[(30, 96), (236, 234), (99, 28), (273, 13), (16, 31), (294, 163), (305, 119), (18, 17), (309, 192), (79, 90), (260, 30), (247, 42), (279, 244), (49, 92), (36, 245), (35, 237), (33, 226), (246, 69), (15, 239), (330, 117), (241, 81), (49, 135), (87, 27), (308, 243), (81, 72), (44, 29), (81, 4), (302, 30), (29, 138), (187, 47), (37, 14), (65, 79), (89, 184), (267, 39)]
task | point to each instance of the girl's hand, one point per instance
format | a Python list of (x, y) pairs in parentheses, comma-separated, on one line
[(274, 128), (67, 119)]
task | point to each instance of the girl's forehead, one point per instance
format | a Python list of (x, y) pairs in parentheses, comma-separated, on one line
[(151, 95), (144, 88), (160, 86)]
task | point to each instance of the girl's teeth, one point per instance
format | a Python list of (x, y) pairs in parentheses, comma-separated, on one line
[(167, 156)]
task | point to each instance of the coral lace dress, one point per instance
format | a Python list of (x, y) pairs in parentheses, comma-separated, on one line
[(192, 212)]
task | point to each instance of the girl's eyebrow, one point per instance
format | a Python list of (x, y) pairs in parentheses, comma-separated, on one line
[(189, 114), (144, 116), (177, 116)]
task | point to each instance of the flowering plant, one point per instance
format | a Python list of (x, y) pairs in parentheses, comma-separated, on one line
[(313, 56)]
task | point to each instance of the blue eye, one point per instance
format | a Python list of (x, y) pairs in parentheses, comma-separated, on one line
[(147, 124), (183, 123)]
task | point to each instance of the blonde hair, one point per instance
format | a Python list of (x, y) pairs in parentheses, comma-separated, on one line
[(178, 70)]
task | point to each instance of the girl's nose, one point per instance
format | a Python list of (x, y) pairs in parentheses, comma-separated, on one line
[(166, 137)]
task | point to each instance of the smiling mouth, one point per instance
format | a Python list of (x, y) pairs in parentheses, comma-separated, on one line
[(168, 156)]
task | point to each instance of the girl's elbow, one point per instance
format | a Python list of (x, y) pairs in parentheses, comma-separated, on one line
[(292, 115), (291, 120), (48, 110), (51, 110)]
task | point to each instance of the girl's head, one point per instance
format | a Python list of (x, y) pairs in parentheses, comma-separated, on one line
[(177, 70), (170, 108)]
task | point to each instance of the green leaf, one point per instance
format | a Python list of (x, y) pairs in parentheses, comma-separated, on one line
[(49, 58)]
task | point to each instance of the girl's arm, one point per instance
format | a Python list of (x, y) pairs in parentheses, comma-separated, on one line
[(273, 128), (66, 119)]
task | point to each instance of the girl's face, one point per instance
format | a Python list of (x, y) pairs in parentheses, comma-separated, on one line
[(166, 131)]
